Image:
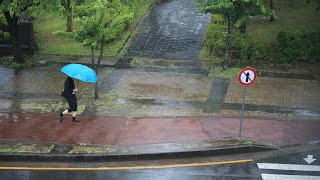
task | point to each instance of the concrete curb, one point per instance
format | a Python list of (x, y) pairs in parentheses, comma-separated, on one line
[(134, 156)]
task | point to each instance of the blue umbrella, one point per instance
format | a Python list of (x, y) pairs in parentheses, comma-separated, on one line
[(80, 72)]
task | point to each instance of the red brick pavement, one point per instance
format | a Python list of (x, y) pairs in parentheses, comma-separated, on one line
[(122, 131)]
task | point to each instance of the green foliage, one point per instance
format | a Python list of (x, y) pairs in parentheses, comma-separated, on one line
[(3, 19), (103, 22), (259, 49), (217, 19), (296, 44), (9, 62), (237, 10), (215, 39), (241, 46), (15, 8)]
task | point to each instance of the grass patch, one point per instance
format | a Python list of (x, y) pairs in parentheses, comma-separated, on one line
[(50, 43), (8, 150), (289, 13), (219, 72)]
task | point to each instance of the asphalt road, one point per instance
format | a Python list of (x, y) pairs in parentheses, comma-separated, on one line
[(294, 163), (247, 170)]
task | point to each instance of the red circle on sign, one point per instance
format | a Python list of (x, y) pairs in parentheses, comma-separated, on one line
[(251, 80)]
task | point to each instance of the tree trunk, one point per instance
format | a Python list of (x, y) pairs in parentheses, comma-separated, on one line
[(228, 44), (92, 56), (14, 34), (69, 23), (69, 13), (271, 7), (96, 94)]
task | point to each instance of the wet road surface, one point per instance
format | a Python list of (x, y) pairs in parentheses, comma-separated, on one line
[(285, 164), (237, 170), (304, 165)]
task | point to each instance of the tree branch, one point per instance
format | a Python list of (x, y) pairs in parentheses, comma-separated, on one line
[(109, 22)]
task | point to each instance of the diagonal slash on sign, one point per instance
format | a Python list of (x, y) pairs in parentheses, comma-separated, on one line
[(246, 75)]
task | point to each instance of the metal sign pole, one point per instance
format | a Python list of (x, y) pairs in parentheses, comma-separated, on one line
[(242, 110)]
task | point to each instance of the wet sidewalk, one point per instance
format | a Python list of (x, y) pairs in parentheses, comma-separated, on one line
[(43, 128)]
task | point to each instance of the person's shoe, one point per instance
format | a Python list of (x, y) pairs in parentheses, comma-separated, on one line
[(60, 117), (75, 119)]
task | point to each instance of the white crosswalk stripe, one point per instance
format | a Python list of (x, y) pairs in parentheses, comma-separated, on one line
[(288, 167), (288, 177)]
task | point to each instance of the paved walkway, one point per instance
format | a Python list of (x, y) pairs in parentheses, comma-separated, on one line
[(171, 30), (19, 127)]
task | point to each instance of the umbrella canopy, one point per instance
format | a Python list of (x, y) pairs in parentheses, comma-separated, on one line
[(80, 72)]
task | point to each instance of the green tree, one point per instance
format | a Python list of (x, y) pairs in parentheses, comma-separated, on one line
[(12, 10), (235, 12), (102, 22)]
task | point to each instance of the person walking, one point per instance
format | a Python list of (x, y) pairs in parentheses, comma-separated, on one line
[(70, 96)]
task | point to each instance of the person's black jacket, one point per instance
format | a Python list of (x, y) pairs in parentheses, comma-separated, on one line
[(68, 88)]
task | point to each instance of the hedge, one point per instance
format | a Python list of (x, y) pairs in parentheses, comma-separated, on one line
[(296, 45)]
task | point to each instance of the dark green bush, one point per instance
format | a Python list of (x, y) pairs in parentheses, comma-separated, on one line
[(240, 46), (248, 47), (296, 45), (259, 49)]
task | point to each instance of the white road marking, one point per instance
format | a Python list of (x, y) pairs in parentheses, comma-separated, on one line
[(288, 167), (288, 177)]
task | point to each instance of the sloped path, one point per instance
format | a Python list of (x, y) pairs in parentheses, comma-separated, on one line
[(172, 29)]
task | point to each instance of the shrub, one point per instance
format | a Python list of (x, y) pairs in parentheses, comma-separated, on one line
[(295, 45), (215, 39), (240, 46), (259, 49)]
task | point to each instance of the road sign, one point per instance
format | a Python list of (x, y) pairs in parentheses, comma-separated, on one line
[(247, 76)]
